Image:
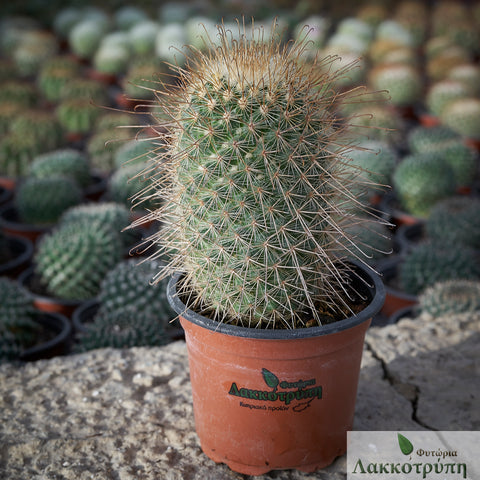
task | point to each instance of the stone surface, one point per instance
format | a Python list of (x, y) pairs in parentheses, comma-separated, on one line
[(127, 414)]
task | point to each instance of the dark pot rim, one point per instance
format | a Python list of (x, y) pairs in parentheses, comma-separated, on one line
[(388, 269), (23, 256), (88, 307), (24, 278), (9, 220), (371, 281), (57, 345)]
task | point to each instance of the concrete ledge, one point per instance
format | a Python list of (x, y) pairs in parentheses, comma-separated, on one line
[(127, 414)]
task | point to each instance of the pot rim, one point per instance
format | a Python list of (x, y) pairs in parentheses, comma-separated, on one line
[(373, 283)]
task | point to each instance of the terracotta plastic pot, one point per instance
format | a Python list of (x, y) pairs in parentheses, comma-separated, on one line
[(275, 399)]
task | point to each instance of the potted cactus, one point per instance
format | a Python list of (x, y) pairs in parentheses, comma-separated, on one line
[(255, 203)]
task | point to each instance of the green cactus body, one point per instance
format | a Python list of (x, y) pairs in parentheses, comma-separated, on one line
[(20, 92), (255, 198), (421, 180), (16, 310), (125, 329), (377, 161), (42, 126), (41, 201), (140, 81), (134, 151), (127, 16), (115, 215), (66, 162), (85, 37), (440, 94), (469, 75), (432, 262), (85, 89), (16, 154), (451, 297), (128, 185), (111, 59), (455, 221), (102, 147), (77, 115), (142, 37), (72, 260), (113, 119), (10, 348), (55, 74), (8, 110), (129, 285), (463, 161), (403, 83), (427, 139), (463, 116)]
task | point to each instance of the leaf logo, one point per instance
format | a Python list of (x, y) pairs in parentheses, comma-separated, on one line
[(405, 445), (270, 379)]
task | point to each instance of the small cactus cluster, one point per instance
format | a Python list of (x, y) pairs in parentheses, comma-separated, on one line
[(428, 263), (72, 260), (426, 139), (77, 115), (451, 297), (256, 186), (41, 201), (421, 180), (55, 75), (440, 94), (455, 221), (17, 328)]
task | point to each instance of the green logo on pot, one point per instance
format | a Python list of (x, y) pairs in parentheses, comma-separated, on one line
[(298, 394)]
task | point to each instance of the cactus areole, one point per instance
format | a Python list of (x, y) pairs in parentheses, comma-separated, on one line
[(256, 195), (256, 204)]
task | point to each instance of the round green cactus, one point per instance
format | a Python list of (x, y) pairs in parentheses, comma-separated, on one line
[(55, 75), (128, 184), (469, 75), (129, 285), (102, 147), (85, 37), (127, 16), (66, 162), (16, 311), (403, 83), (8, 110), (73, 259), (256, 190), (140, 81), (41, 201), (77, 115), (451, 297), (20, 92), (143, 36), (431, 262), (111, 59), (420, 180), (16, 154), (441, 93), (85, 89), (113, 214), (463, 116), (377, 161), (134, 151), (10, 348), (422, 139), (455, 221), (42, 126), (125, 329)]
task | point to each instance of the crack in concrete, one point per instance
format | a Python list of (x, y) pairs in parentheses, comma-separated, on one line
[(410, 392)]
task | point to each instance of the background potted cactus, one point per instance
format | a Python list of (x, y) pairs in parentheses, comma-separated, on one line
[(255, 203)]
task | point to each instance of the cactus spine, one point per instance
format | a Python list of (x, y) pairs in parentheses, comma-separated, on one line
[(256, 198)]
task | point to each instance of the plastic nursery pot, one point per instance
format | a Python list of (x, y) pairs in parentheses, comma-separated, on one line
[(395, 299), (42, 300), (408, 236), (20, 251), (56, 326), (11, 225), (275, 399)]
